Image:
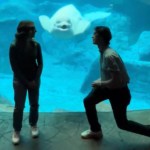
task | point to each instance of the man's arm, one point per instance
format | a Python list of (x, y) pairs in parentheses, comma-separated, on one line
[(113, 72), (107, 83)]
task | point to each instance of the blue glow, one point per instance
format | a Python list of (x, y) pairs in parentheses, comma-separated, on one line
[(71, 59)]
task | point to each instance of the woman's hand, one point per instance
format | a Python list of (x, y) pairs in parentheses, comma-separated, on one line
[(31, 85)]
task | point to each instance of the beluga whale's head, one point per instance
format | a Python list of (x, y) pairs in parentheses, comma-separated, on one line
[(68, 22)]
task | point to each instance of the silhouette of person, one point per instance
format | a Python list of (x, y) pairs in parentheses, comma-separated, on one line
[(26, 63), (112, 85)]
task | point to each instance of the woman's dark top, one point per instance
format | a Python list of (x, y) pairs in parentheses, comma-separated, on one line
[(26, 63)]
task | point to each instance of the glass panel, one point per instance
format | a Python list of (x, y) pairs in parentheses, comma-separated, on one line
[(71, 60)]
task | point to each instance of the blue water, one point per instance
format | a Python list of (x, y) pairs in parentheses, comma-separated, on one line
[(70, 59)]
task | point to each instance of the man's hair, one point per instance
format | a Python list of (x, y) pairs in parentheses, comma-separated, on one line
[(104, 32)]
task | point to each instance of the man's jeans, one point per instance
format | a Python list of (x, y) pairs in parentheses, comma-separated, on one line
[(119, 100)]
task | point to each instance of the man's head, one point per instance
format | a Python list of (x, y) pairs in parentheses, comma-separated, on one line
[(102, 34)]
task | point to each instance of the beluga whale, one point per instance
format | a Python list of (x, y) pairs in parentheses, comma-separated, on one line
[(68, 22)]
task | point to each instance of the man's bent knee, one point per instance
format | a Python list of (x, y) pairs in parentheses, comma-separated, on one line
[(122, 126)]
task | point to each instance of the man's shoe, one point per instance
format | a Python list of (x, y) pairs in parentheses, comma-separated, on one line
[(34, 131), (88, 134), (16, 138)]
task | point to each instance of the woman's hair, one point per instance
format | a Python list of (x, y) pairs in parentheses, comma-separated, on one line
[(104, 33), (24, 25), (22, 32), (23, 28)]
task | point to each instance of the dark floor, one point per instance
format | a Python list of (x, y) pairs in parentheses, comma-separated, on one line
[(61, 131)]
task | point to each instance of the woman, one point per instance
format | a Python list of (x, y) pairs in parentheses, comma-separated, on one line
[(26, 62)]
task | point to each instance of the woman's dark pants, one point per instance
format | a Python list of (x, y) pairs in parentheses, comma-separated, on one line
[(20, 92)]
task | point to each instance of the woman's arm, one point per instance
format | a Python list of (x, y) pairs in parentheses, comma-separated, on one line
[(14, 65), (39, 62)]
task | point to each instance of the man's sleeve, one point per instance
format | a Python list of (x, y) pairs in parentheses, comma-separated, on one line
[(112, 63)]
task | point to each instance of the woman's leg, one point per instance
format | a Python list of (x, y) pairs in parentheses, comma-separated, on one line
[(19, 97), (34, 104)]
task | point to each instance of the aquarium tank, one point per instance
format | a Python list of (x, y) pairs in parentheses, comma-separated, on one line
[(71, 61)]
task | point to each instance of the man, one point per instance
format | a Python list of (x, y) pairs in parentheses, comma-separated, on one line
[(112, 85), (26, 62)]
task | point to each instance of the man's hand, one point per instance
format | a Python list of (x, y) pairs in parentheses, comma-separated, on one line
[(96, 83)]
